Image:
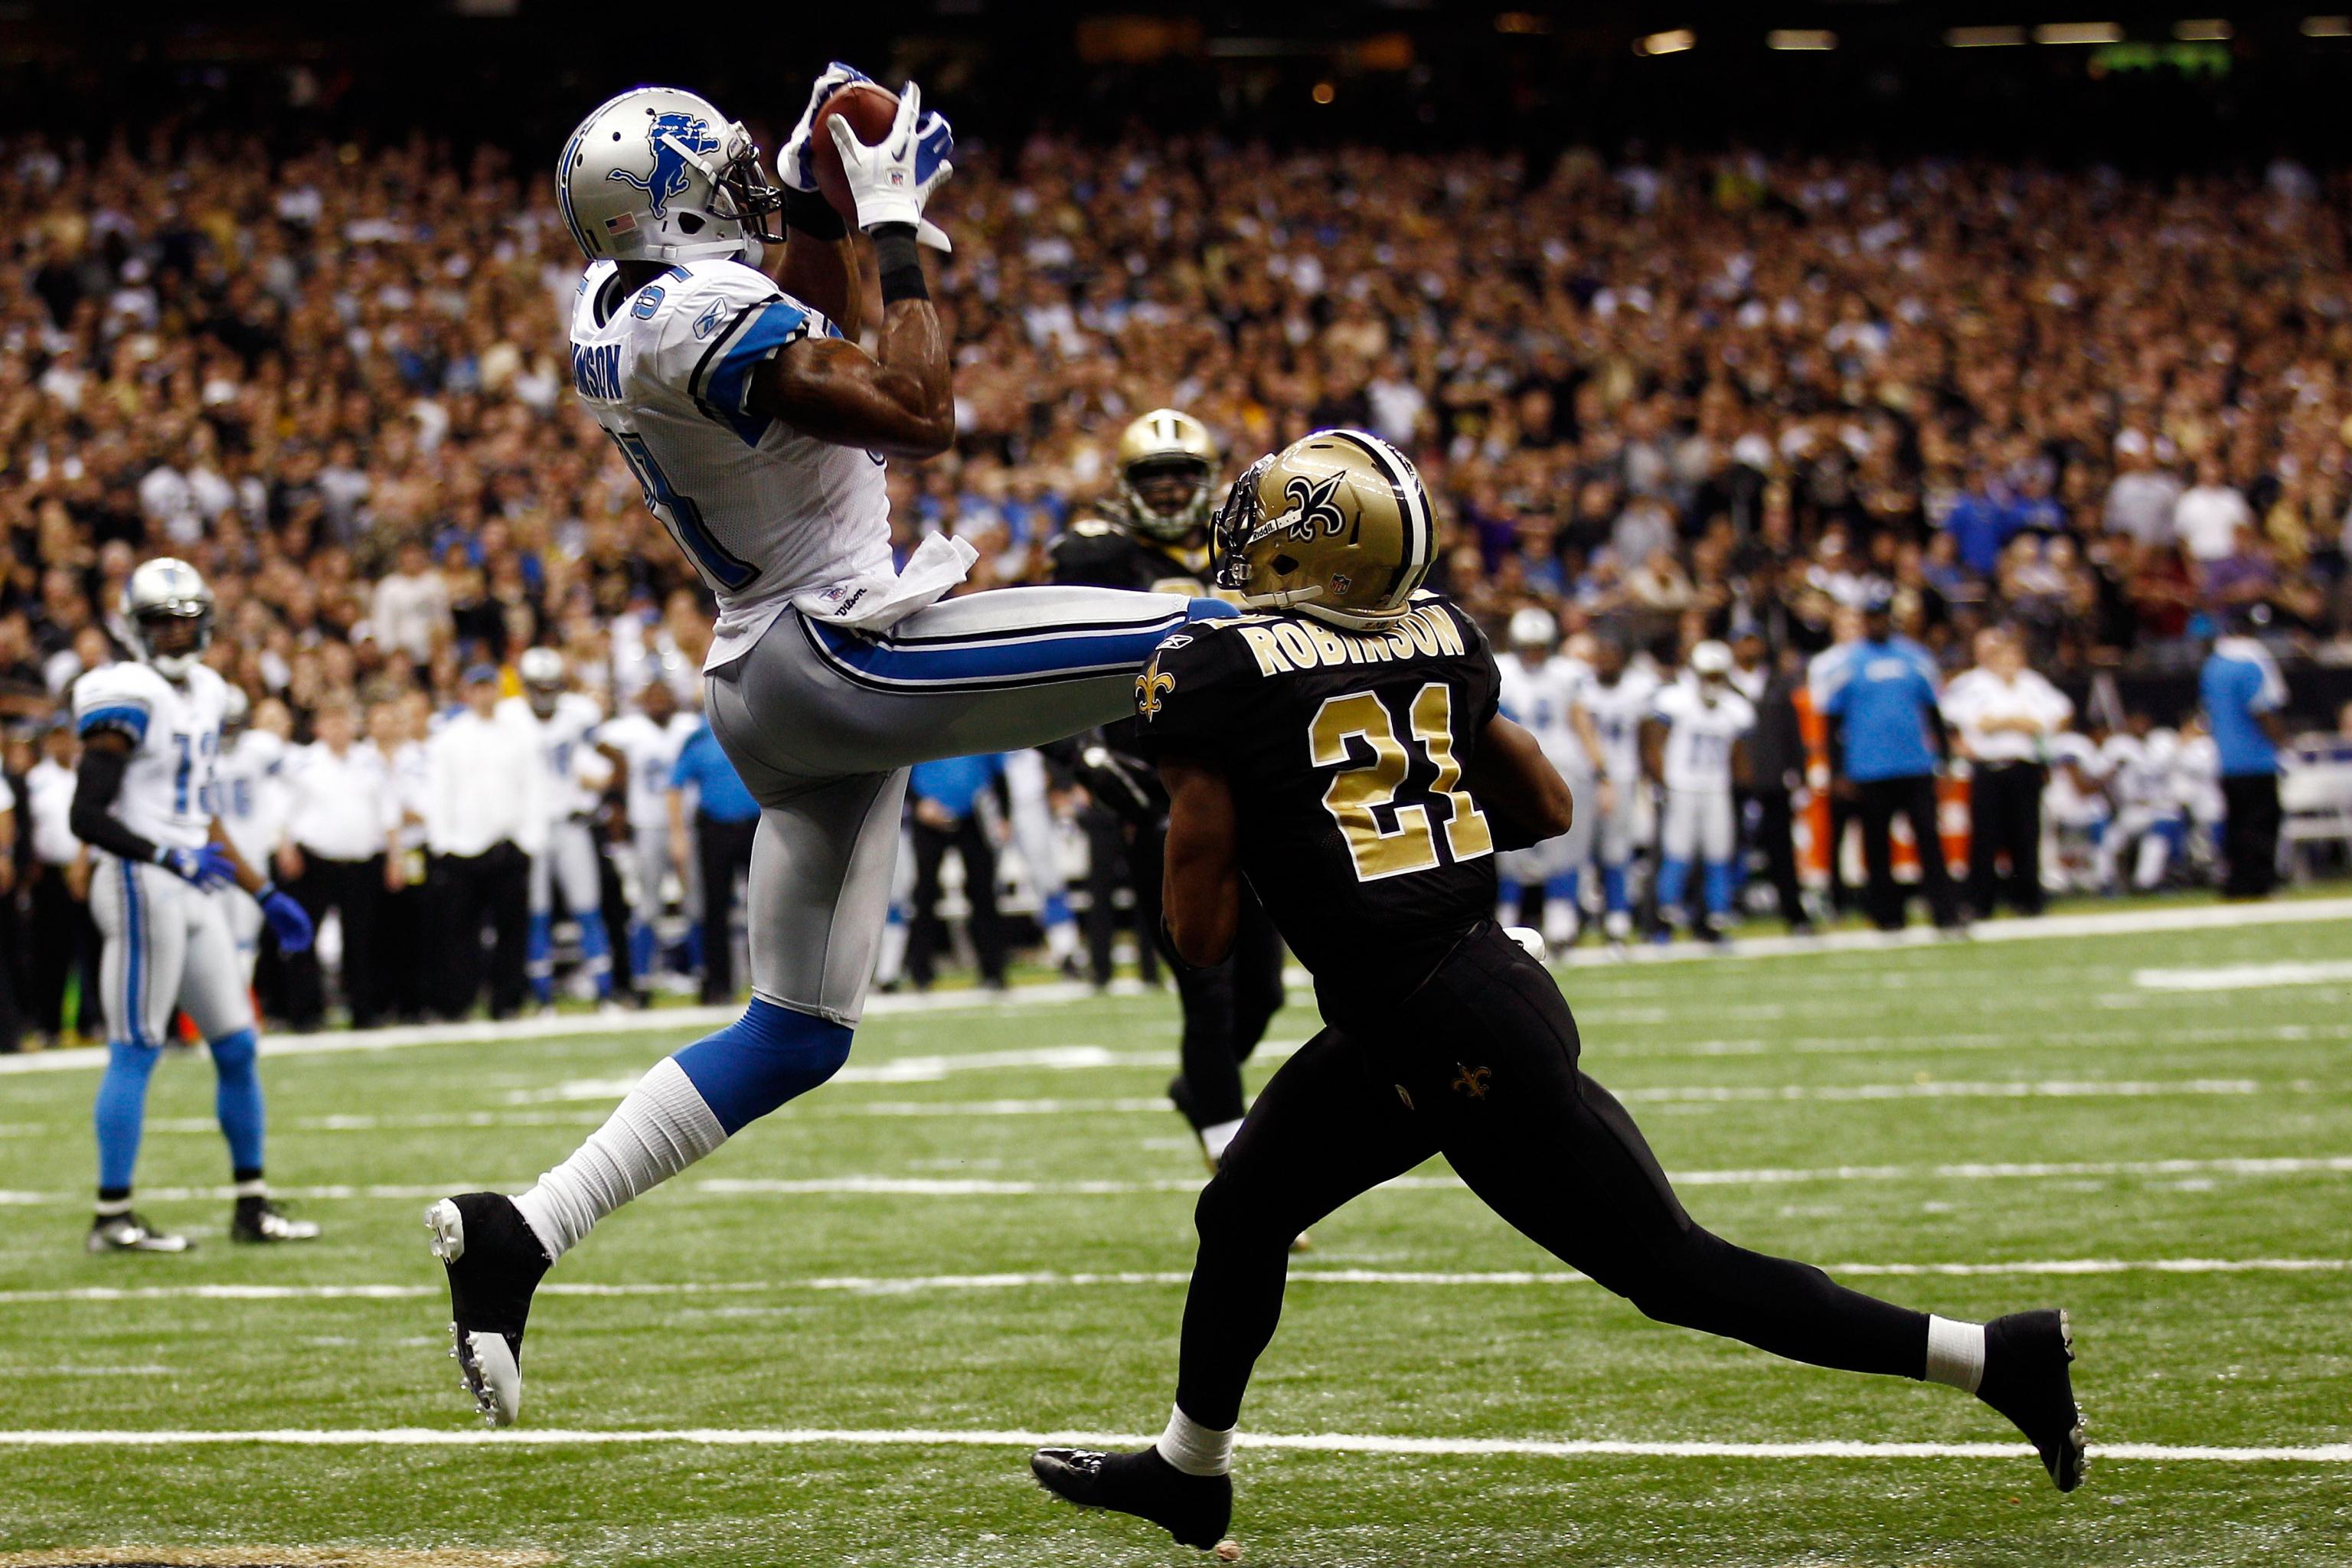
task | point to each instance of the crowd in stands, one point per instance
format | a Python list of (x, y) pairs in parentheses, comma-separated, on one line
[(1680, 397)]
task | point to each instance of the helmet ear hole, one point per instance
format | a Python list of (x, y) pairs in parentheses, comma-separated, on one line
[(690, 221), (1284, 565)]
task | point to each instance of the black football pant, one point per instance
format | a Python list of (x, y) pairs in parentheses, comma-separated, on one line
[(2005, 823), (63, 944), (1776, 835), (468, 893), (928, 932), (355, 890), (722, 852), (2250, 834), (1914, 799), (1480, 1065), (1227, 1006)]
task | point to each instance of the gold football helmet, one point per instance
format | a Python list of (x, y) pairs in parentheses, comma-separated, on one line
[(1336, 526), (1169, 445)]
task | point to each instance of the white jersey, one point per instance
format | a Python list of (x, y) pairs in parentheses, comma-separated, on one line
[(1700, 734), (566, 740), (1544, 696), (1617, 713), (174, 731), (2140, 772), (250, 796), (763, 511), (652, 752)]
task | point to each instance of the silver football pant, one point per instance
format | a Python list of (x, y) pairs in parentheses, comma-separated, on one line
[(822, 725), (168, 948)]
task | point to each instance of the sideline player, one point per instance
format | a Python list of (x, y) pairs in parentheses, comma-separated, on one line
[(564, 724), (1154, 535), (143, 798), (249, 798), (646, 744), (1695, 745), (1618, 696), (759, 432), (1343, 753), (1542, 692)]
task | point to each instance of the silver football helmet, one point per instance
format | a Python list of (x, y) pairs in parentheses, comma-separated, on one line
[(541, 671), (659, 175), (170, 612)]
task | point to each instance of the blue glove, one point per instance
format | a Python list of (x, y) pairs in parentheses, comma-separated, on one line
[(288, 921), (207, 865), (793, 165)]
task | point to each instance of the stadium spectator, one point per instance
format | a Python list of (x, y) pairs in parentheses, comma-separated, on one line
[(341, 822), (61, 950)]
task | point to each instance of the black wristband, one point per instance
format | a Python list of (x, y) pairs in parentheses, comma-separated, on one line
[(900, 261), (809, 213)]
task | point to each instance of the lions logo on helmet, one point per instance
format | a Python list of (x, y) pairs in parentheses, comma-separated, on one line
[(170, 611), (671, 137), (1336, 526), (702, 196)]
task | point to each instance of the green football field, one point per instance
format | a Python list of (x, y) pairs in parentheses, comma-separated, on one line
[(831, 1342)]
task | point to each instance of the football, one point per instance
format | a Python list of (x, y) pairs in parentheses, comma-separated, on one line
[(870, 110)]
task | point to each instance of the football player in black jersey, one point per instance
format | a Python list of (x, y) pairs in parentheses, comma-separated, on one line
[(1155, 537), (1341, 752)]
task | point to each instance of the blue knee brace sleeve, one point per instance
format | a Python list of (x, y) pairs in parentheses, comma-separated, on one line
[(763, 1059), (236, 1097), (121, 1114)]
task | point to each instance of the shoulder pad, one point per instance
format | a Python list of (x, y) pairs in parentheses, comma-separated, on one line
[(1092, 528)]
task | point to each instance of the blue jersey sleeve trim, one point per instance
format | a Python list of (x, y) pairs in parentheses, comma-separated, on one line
[(131, 720), (777, 324)]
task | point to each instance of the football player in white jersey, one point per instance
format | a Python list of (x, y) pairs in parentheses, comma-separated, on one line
[(1618, 697), (143, 799), (647, 743), (249, 799), (1693, 744), (759, 430), (1542, 691), (2141, 763), (565, 724)]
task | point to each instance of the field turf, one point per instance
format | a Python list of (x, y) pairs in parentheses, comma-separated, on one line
[(985, 1229)]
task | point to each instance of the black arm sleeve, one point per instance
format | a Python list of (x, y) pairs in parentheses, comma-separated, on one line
[(93, 820)]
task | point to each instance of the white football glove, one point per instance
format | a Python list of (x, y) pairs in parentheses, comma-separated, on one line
[(891, 182), (793, 162)]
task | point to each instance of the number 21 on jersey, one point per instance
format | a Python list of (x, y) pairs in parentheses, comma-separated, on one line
[(1358, 793)]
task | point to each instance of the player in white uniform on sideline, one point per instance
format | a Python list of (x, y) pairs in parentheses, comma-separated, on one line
[(1542, 690), (250, 801), (758, 431), (1618, 697), (2076, 813), (647, 743), (144, 800), (565, 724), (1695, 745), (2141, 760), (1037, 835)]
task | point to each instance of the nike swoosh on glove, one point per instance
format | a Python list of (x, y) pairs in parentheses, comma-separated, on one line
[(891, 181)]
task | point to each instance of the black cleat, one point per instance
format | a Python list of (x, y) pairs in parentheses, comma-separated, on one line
[(2025, 1378), (1195, 1510), (259, 1220), (126, 1232), (494, 1264)]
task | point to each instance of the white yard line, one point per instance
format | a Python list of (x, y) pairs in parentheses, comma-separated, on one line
[(975, 1187), (2243, 976), (917, 1284), (1316, 1442), (680, 1020)]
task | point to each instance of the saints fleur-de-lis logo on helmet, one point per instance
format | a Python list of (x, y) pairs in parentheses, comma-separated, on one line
[(1336, 526)]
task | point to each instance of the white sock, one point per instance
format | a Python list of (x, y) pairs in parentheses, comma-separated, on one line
[(1195, 1449), (1216, 1139), (1061, 940), (1956, 1353), (255, 1188), (658, 1131)]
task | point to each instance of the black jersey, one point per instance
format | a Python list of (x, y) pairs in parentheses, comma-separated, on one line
[(1345, 752), (1097, 554)]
